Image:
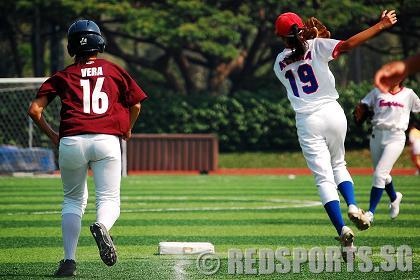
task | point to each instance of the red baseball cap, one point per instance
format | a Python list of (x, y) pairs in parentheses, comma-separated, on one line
[(285, 22)]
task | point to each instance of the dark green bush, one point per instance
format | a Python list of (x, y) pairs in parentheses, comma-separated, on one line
[(248, 121)]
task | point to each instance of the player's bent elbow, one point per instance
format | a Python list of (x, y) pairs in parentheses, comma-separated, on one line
[(34, 111), (136, 106), (31, 111)]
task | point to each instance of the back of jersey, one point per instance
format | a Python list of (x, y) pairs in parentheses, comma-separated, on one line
[(95, 97), (309, 82)]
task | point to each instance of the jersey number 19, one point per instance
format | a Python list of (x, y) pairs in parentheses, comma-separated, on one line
[(306, 76), (99, 98)]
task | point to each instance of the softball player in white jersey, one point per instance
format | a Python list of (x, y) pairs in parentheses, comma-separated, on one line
[(321, 124), (391, 114)]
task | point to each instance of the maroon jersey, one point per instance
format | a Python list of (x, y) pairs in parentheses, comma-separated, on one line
[(95, 98)]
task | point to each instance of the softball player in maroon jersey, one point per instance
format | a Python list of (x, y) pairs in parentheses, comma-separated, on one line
[(100, 103)]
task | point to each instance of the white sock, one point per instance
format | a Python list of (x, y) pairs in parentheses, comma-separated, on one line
[(107, 214), (353, 208), (70, 225)]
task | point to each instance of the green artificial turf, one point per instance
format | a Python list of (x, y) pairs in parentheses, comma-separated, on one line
[(229, 211), (354, 158)]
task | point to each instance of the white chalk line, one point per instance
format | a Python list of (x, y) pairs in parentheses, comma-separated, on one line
[(212, 198), (179, 268), (288, 204)]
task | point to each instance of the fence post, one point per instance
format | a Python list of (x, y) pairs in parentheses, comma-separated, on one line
[(30, 131)]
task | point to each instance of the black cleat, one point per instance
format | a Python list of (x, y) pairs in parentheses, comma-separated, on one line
[(66, 268), (105, 245)]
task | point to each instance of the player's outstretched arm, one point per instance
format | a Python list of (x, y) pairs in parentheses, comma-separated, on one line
[(395, 72), (35, 112), (388, 19)]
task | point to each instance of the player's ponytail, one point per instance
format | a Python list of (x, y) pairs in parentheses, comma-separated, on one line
[(297, 44)]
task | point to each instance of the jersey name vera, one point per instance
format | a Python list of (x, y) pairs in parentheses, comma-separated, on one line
[(94, 71)]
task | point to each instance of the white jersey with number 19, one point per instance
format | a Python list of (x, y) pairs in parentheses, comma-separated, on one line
[(309, 82)]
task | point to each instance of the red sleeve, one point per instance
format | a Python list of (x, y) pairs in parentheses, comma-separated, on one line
[(48, 88), (336, 53), (133, 93)]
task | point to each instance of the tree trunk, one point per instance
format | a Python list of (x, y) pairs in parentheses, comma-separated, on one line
[(56, 50), (224, 70), (249, 61), (163, 66), (404, 38), (37, 45), (356, 65), (187, 75), (15, 51)]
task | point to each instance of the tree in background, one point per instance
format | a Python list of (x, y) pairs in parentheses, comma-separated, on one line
[(193, 46)]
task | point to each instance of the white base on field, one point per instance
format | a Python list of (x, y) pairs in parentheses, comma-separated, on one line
[(185, 248)]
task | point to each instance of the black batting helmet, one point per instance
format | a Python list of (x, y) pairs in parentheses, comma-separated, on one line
[(84, 36)]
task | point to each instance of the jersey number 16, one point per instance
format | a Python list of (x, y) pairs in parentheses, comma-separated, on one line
[(97, 107), (307, 78)]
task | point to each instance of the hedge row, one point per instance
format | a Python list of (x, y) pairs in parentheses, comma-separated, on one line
[(248, 121)]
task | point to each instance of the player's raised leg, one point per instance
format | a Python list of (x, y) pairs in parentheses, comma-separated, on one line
[(107, 176), (335, 137), (73, 167), (318, 159), (311, 130)]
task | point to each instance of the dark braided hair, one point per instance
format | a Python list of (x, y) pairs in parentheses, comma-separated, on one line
[(297, 44)]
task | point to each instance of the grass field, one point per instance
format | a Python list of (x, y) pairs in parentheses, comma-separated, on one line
[(229, 211), (285, 159)]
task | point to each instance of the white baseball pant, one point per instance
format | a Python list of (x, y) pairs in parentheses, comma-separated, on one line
[(386, 147), (321, 137), (102, 153)]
